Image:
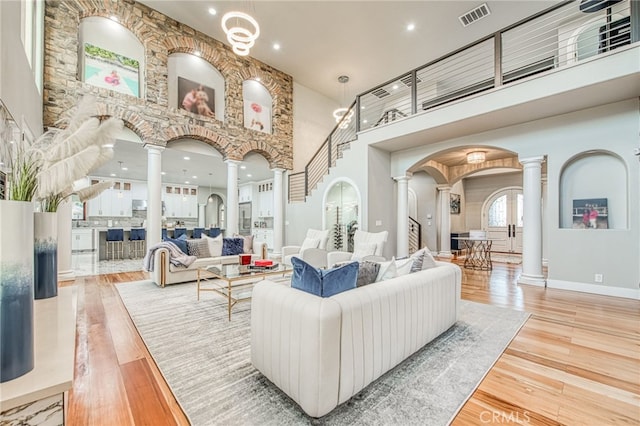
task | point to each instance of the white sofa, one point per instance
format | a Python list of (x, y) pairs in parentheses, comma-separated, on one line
[(322, 351), (166, 273)]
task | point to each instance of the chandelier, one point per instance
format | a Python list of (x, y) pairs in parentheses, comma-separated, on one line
[(241, 38), (476, 157), (343, 115)]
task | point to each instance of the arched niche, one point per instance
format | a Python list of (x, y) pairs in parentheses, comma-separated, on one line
[(583, 189), (110, 56), (257, 106), (188, 72), (342, 214)]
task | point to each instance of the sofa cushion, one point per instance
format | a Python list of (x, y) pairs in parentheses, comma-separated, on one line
[(387, 271), (247, 245), (422, 259), (309, 243), (232, 246), (181, 242), (198, 248), (215, 245), (367, 272), (403, 266), (323, 283)]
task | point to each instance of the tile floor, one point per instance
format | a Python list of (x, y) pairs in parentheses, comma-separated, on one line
[(88, 264)]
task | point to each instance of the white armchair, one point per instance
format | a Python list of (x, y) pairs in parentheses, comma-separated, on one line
[(313, 249), (365, 244)]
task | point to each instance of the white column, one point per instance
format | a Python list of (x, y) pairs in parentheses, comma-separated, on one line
[(154, 197), (231, 222), (402, 231), (445, 220), (532, 222), (65, 271), (278, 211)]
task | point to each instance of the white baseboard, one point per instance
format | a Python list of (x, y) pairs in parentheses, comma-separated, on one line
[(627, 293)]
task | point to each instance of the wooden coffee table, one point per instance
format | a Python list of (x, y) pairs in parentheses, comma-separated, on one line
[(235, 282)]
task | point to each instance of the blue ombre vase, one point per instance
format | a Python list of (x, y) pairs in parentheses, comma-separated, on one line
[(45, 262), (16, 289)]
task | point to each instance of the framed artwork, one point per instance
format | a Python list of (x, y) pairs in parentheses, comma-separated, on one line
[(454, 203), (196, 97), (110, 70), (257, 116), (591, 213)]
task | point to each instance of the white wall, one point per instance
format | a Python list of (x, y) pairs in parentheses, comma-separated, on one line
[(426, 191), (18, 89), (312, 122)]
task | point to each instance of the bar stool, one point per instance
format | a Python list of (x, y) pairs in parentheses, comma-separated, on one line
[(214, 232), (137, 237), (164, 234), (179, 231), (197, 232), (115, 243)]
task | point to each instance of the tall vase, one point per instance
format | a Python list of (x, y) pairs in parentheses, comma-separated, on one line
[(16, 289), (45, 232)]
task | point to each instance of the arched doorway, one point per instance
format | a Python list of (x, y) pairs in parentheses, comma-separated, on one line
[(502, 214)]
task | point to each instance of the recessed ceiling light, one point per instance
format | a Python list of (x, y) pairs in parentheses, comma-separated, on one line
[(212, 11), (114, 18), (113, 175), (163, 173), (197, 53), (411, 27), (125, 168), (107, 145), (194, 177), (365, 121), (186, 181), (362, 107), (395, 86), (243, 167), (187, 158), (248, 175), (276, 46)]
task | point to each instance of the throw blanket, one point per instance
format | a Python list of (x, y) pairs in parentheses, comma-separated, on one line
[(176, 256)]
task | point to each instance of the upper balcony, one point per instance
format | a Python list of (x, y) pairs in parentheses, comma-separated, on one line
[(573, 56)]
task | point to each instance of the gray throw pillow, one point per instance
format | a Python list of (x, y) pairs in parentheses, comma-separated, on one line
[(367, 272), (198, 248)]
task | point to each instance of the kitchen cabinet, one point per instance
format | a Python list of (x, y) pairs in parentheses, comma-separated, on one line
[(265, 235), (82, 239), (113, 202), (245, 193), (180, 201), (265, 199)]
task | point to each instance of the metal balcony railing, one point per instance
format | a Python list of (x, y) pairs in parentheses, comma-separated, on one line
[(565, 34)]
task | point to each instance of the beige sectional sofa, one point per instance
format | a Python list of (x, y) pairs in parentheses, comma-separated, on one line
[(322, 351), (166, 273)]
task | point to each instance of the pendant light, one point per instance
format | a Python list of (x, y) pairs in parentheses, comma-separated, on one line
[(242, 36), (343, 115)]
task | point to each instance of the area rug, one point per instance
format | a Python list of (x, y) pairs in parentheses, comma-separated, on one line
[(205, 359)]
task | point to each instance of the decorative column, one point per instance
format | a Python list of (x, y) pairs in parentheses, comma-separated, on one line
[(231, 222), (154, 189), (65, 271), (445, 220), (532, 221), (402, 231), (278, 211)]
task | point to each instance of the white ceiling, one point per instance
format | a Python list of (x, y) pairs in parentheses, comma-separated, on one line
[(321, 40)]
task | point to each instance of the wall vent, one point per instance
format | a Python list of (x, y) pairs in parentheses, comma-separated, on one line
[(475, 14), (408, 81)]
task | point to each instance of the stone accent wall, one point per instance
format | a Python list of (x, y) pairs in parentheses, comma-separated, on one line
[(151, 118)]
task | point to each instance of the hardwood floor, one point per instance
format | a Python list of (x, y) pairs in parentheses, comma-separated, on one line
[(576, 361)]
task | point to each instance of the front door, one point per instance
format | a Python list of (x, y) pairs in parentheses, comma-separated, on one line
[(502, 218)]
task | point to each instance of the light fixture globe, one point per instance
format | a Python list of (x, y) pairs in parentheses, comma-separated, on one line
[(476, 157), (240, 38)]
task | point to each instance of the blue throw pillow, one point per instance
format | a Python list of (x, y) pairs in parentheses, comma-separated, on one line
[(323, 283), (181, 242), (232, 246)]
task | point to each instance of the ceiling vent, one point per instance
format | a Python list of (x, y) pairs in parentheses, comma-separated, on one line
[(380, 93), (408, 81), (474, 15)]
